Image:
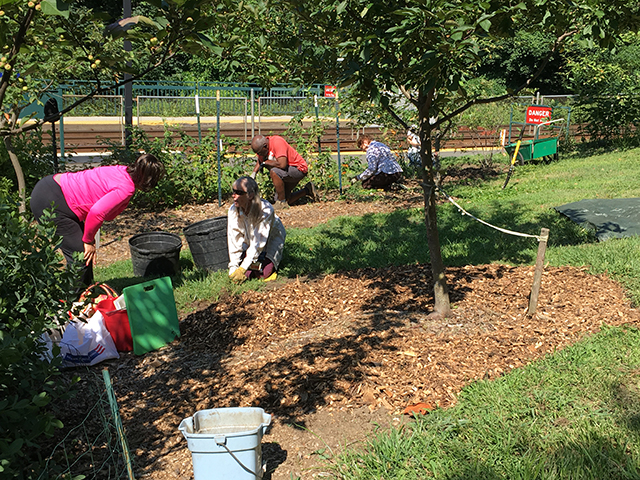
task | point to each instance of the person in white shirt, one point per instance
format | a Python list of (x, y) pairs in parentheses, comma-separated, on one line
[(255, 234), (414, 148)]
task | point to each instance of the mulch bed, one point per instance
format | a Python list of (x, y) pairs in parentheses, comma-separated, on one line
[(352, 340)]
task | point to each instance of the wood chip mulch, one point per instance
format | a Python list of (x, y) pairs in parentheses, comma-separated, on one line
[(352, 340)]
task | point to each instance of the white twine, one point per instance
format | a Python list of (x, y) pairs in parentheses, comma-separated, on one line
[(503, 230)]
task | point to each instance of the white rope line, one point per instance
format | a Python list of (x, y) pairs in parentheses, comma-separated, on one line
[(503, 230)]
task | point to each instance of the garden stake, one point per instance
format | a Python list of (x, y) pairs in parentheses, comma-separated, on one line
[(537, 276), (219, 142), (338, 142), (315, 102)]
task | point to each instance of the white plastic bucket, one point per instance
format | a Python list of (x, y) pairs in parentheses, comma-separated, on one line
[(225, 443)]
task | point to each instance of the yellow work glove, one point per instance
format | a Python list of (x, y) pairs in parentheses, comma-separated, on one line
[(238, 275)]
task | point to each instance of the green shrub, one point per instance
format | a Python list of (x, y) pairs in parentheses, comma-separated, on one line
[(192, 164), (34, 289)]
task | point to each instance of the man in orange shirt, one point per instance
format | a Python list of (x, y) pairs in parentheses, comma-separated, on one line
[(286, 169)]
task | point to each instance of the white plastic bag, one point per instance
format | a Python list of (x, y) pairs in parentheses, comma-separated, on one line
[(85, 344)]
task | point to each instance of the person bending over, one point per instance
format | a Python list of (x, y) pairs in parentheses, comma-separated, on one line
[(286, 168), (382, 169), (255, 234), (83, 200)]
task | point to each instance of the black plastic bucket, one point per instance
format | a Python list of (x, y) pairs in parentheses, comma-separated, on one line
[(207, 241), (155, 253)]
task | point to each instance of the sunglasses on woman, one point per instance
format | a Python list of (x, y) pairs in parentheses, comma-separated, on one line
[(238, 192)]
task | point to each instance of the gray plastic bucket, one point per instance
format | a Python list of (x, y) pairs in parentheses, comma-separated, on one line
[(155, 253), (207, 241), (225, 443)]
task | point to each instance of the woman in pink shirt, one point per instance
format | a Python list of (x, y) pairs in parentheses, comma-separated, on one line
[(83, 200)]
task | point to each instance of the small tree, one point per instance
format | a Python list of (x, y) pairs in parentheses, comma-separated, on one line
[(427, 52), (53, 39)]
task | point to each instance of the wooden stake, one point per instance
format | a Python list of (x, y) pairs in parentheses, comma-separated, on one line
[(537, 276)]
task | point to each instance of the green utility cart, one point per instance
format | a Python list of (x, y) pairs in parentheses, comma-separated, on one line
[(531, 119), (535, 117), (530, 149)]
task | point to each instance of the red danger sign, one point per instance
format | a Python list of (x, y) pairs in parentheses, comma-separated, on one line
[(329, 91), (538, 115)]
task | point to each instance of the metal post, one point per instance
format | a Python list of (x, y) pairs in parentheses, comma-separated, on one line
[(510, 123), (51, 108), (128, 88), (338, 142), (219, 148), (121, 118), (198, 118), (61, 126), (315, 102), (253, 132), (245, 119), (117, 423)]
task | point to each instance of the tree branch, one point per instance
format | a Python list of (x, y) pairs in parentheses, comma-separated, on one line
[(98, 91), (408, 95), (396, 117), (480, 101), (17, 44)]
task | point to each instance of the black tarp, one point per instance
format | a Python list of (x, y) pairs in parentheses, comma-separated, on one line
[(610, 217)]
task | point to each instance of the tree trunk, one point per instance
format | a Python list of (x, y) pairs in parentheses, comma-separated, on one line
[(442, 305), (19, 174), (440, 289)]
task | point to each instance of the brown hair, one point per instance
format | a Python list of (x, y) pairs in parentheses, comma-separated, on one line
[(362, 139), (146, 171)]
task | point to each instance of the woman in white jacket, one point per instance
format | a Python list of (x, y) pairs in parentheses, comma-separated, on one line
[(255, 234)]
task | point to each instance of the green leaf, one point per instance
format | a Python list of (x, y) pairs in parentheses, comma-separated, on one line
[(485, 25), (41, 399), (14, 448), (55, 7), (209, 44)]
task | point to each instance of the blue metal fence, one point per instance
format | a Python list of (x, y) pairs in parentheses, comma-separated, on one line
[(172, 92)]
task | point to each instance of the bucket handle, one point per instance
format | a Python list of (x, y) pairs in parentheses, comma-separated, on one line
[(221, 441)]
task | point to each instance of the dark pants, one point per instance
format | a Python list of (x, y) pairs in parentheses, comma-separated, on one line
[(47, 194), (381, 180), (262, 268), (291, 178)]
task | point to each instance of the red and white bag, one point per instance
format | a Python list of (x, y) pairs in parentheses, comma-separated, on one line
[(85, 339), (87, 343)]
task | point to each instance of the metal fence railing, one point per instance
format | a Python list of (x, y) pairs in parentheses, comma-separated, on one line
[(197, 106), (96, 106)]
